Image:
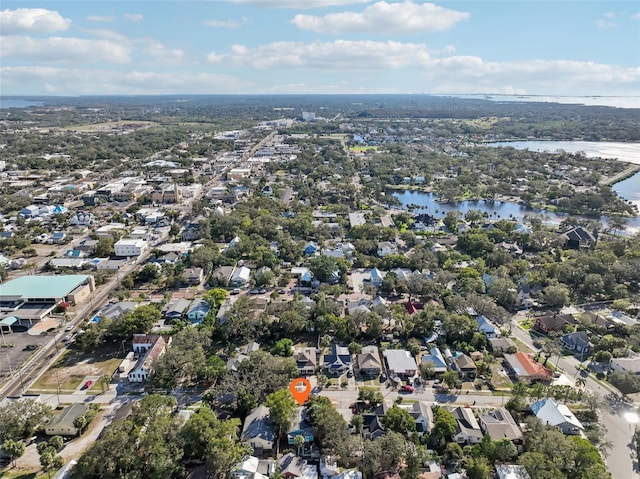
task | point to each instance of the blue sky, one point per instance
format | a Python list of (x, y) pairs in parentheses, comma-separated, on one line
[(320, 46)]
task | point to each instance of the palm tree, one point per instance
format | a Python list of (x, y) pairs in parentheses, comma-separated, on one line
[(580, 382)]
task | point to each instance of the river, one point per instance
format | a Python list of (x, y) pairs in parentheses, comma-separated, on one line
[(628, 189)]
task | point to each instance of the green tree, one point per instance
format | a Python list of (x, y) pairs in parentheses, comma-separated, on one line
[(104, 247), (22, 419), (330, 428), (444, 424), (14, 449), (208, 438), (282, 409), (283, 347), (399, 420), (371, 396), (504, 450), (451, 379), (323, 267)]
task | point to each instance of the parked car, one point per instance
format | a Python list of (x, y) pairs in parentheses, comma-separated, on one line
[(407, 388), (31, 347), (87, 385), (254, 291), (68, 328), (235, 291)]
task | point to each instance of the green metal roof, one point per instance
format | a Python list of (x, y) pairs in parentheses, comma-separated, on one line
[(56, 286)]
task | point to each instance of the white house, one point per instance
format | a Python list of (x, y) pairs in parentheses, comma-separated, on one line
[(626, 365), (468, 430), (149, 348), (487, 327), (240, 276), (400, 363), (385, 248), (559, 415), (129, 247)]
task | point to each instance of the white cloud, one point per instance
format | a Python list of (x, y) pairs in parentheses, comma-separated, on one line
[(31, 20), (384, 18), (164, 54), (63, 81), (299, 4), (63, 49), (603, 24), (107, 34), (337, 55), (226, 23), (101, 18), (635, 16), (133, 17)]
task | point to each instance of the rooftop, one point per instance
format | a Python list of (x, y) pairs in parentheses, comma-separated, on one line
[(56, 286)]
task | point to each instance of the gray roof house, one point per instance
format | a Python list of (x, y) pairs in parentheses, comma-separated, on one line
[(577, 342), (338, 361), (467, 430), (176, 309), (559, 415), (63, 424), (400, 363), (423, 416), (499, 424), (258, 431), (369, 361), (487, 327)]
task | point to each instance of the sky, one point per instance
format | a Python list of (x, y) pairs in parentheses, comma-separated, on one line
[(516, 47)]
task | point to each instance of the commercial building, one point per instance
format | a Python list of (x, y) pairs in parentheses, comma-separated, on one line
[(128, 247), (34, 297)]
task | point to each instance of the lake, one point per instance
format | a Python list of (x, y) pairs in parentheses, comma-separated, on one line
[(17, 103), (628, 189)]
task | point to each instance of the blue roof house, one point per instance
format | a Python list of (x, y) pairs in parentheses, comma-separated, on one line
[(198, 311)]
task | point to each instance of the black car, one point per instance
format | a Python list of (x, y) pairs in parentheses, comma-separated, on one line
[(31, 347)]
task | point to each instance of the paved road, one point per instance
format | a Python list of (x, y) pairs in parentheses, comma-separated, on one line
[(619, 432)]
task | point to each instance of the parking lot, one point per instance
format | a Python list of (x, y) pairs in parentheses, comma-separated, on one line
[(17, 350)]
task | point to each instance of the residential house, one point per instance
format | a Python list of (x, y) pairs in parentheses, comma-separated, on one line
[(435, 358), (386, 248), (577, 343), (240, 276), (376, 277), (300, 426), (467, 428), (149, 347), (522, 367), (306, 361), (129, 247), (486, 327), (258, 431), (553, 322), (338, 361), (558, 415), (400, 363), (310, 249), (626, 365), (499, 424), (465, 366), (511, 471), (502, 345), (294, 467), (369, 362), (423, 416), (114, 311), (194, 276), (372, 427), (176, 309), (578, 237), (62, 425), (253, 468), (198, 311)]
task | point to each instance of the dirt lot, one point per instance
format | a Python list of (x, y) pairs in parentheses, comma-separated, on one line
[(73, 367)]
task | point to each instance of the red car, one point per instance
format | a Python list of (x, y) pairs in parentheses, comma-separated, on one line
[(87, 385), (407, 388)]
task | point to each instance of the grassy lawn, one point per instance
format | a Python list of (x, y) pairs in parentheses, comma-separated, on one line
[(372, 383), (21, 474), (72, 367), (523, 347)]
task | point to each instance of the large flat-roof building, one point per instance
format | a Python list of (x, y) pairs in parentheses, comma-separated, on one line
[(33, 297)]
